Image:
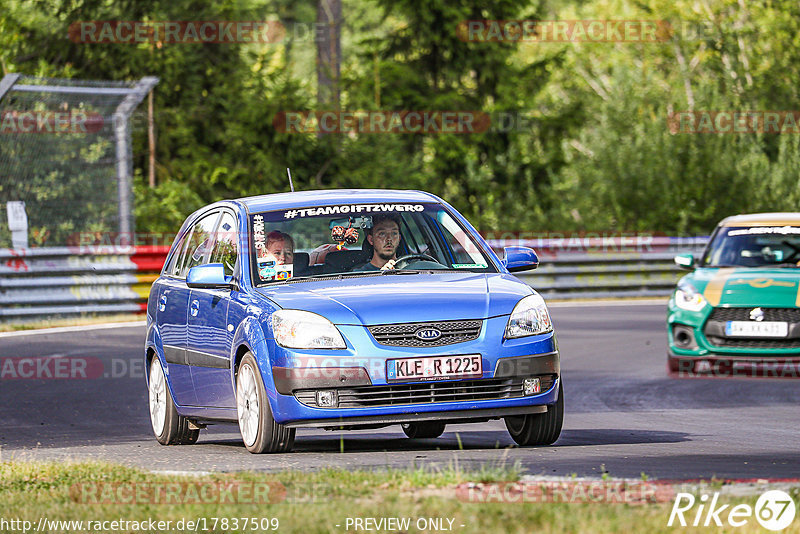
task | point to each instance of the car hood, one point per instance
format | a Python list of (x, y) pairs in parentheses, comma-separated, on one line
[(403, 298), (779, 288)]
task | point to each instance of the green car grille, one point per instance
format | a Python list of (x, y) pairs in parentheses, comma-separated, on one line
[(715, 328)]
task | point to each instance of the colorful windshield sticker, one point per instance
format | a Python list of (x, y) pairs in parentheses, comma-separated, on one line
[(267, 270), (469, 266), (352, 208), (284, 272), (766, 230), (270, 270)]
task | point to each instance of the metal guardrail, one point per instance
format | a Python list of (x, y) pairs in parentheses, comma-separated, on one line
[(611, 276), (619, 267), (44, 282)]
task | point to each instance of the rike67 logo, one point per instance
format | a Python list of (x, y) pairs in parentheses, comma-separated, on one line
[(774, 510)]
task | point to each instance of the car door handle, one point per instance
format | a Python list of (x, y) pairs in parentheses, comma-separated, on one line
[(162, 303), (194, 308)]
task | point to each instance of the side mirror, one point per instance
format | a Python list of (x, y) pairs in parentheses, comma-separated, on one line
[(685, 261), (209, 276), (520, 259)]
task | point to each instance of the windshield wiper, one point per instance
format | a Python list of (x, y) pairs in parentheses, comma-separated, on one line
[(400, 271)]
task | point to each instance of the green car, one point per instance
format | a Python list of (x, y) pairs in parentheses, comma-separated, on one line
[(738, 310)]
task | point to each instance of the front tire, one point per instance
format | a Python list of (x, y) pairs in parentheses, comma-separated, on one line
[(538, 428), (423, 430), (169, 427), (260, 432)]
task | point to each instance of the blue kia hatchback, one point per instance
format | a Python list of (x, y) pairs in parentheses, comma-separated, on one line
[(346, 309)]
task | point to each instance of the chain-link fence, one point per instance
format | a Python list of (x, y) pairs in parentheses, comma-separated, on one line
[(65, 151)]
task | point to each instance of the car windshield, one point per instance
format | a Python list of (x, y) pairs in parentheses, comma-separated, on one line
[(358, 239), (756, 246)]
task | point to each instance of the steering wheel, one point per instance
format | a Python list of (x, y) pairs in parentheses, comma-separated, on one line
[(403, 261)]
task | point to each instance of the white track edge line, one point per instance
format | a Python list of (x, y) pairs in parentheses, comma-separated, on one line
[(66, 329)]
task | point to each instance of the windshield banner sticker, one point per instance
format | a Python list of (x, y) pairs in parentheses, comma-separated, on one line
[(766, 230), (352, 208)]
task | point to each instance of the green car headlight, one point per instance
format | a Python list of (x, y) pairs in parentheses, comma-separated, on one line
[(688, 298)]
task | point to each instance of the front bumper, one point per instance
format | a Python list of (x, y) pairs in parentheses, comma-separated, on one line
[(693, 335), (697, 348), (449, 416), (521, 358)]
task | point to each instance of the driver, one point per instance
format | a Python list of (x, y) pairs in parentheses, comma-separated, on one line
[(384, 236)]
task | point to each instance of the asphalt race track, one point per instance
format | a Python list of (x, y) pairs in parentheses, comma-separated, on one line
[(624, 413)]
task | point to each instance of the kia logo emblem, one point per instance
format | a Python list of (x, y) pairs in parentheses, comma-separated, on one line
[(428, 334)]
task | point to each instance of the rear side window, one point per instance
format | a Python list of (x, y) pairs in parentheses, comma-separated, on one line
[(176, 252)]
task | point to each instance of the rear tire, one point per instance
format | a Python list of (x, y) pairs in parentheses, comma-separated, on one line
[(538, 428), (260, 432), (169, 427), (423, 430)]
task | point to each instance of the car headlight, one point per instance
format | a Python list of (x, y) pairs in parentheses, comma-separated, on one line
[(530, 317), (296, 329), (688, 298)]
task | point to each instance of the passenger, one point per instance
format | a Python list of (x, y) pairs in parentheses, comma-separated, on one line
[(281, 246), (384, 236)]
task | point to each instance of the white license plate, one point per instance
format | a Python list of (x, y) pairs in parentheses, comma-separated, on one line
[(756, 329), (435, 368)]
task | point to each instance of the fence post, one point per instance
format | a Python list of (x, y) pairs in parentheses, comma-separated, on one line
[(122, 137), (7, 82)]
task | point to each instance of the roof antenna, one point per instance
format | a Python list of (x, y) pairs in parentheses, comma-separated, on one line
[(291, 185)]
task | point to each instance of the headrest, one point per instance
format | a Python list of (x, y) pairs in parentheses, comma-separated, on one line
[(343, 260)]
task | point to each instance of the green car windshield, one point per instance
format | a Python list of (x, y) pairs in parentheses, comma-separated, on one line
[(754, 246), (307, 243)]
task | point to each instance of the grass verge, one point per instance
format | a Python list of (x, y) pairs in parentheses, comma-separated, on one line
[(325, 501)]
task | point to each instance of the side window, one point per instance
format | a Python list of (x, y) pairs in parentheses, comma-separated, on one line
[(224, 251), (199, 244), (176, 252), (462, 248)]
